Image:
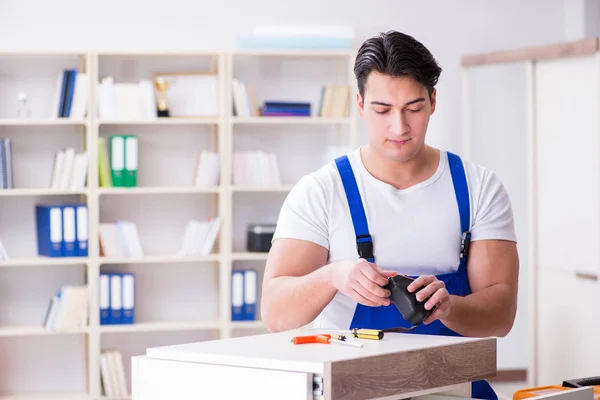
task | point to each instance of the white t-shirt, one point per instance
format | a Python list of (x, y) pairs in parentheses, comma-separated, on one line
[(415, 231)]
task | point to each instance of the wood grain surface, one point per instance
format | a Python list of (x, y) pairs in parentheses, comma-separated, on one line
[(405, 372), (556, 50)]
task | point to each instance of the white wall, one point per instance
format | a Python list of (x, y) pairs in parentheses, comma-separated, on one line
[(448, 28)]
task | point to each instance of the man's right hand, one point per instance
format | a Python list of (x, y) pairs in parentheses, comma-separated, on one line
[(362, 281)]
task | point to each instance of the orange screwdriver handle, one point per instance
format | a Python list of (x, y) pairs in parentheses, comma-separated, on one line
[(311, 339)]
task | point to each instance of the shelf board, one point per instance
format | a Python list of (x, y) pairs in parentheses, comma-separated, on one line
[(37, 331), (295, 53), (247, 324), (42, 261), (156, 259), (262, 188), (41, 192), (249, 256), (46, 396), (164, 121), (289, 120), (159, 327), (41, 122), (142, 190)]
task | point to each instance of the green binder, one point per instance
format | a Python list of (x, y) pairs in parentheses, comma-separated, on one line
[(131, 160), (117, 160)]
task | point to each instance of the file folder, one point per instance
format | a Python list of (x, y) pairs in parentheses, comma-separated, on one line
[(250, 294), (49, 226), (69, 226), (117, 160), (82, 231), (104, 299), (237, 295), (116, 299), (131, 160), (128, 286)]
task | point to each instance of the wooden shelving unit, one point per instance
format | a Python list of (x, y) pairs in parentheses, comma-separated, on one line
[(159, 205)]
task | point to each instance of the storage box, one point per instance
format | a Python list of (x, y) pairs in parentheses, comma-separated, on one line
[(259, 237)]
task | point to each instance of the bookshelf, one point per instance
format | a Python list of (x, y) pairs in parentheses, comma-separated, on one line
[(179, 298)]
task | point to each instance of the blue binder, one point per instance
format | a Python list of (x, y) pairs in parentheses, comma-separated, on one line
[(128, 298), (237, 295), (69, 229), (250, 294), (104, 299), (49, 227), (82, 231), (116, 299)]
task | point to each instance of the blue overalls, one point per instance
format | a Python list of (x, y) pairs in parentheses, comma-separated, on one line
[(457, 283)]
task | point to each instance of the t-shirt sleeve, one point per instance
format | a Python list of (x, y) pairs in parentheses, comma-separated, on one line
[(304, 213), (493, 217)]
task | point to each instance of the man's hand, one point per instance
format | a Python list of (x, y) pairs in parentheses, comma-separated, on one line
[(362, 281), (436, 295)]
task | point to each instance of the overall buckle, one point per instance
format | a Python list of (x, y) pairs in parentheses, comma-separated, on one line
[(465, 244), (364, 247)]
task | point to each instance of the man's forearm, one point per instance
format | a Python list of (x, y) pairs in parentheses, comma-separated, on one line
[(489, 312), (294, 301)]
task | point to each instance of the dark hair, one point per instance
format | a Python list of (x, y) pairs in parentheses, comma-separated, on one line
[(396, 54)]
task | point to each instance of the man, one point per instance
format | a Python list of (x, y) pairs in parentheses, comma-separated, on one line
[(395, 206)]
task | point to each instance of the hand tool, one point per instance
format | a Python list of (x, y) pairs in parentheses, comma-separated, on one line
[(406, 302), (324, 338), (373, 334)]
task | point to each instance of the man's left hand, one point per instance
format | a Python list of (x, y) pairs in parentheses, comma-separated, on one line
[(434, 291)]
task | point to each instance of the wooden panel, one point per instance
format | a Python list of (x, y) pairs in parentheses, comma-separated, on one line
[(557, 50), (568, 166), (412, 371)]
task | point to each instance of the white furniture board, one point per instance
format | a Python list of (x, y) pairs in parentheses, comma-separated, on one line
[(276, 351)]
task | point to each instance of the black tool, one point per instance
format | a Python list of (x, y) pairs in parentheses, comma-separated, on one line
[(406, 302)]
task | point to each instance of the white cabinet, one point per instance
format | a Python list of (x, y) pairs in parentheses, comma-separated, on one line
[(568, 163), (568, 339), (533, 116)]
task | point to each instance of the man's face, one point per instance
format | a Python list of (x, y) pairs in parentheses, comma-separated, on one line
[(396, 111)]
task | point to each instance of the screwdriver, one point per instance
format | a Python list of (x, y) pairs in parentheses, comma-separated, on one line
[(324, 338), (372, 334)]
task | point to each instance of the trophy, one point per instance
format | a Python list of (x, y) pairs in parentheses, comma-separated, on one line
[(161, 85)]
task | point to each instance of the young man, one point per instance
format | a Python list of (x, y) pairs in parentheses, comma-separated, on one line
[(395, 206)]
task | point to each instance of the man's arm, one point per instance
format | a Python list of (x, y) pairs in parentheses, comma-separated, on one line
[(493, 270), (296, 285)]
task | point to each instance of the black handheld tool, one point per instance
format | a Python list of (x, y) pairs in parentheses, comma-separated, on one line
[(406, 302)]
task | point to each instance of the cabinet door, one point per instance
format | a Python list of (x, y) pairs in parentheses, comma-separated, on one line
[(568, 173), (568, 330), (491, 142)]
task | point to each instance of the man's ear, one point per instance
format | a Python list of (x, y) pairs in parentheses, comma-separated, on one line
[(360, 104), (433, 100)]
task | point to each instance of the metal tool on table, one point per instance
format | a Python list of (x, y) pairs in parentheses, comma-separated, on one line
[(325, 339)]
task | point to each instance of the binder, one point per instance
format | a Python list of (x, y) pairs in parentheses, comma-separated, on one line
[(69, 226), (128, 285), (237, 295), (116, 299), (250, 294), (82, 231), (49, 227), (104, 300), (131, 160), (117, 160)]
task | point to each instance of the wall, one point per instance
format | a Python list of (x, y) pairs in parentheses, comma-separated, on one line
[(449, 29)]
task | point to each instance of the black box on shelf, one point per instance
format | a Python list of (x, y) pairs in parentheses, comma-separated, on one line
[(259, 237)]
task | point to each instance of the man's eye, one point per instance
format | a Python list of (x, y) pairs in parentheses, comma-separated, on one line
[(414, 110), (381, 111)]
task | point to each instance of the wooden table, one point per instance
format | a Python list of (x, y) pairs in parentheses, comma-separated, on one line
[(271, 367)]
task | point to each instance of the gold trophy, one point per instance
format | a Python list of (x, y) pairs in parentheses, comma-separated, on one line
[(162, 85)]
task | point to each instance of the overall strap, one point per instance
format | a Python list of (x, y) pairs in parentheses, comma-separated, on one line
[(461, 190), (364, 244)]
